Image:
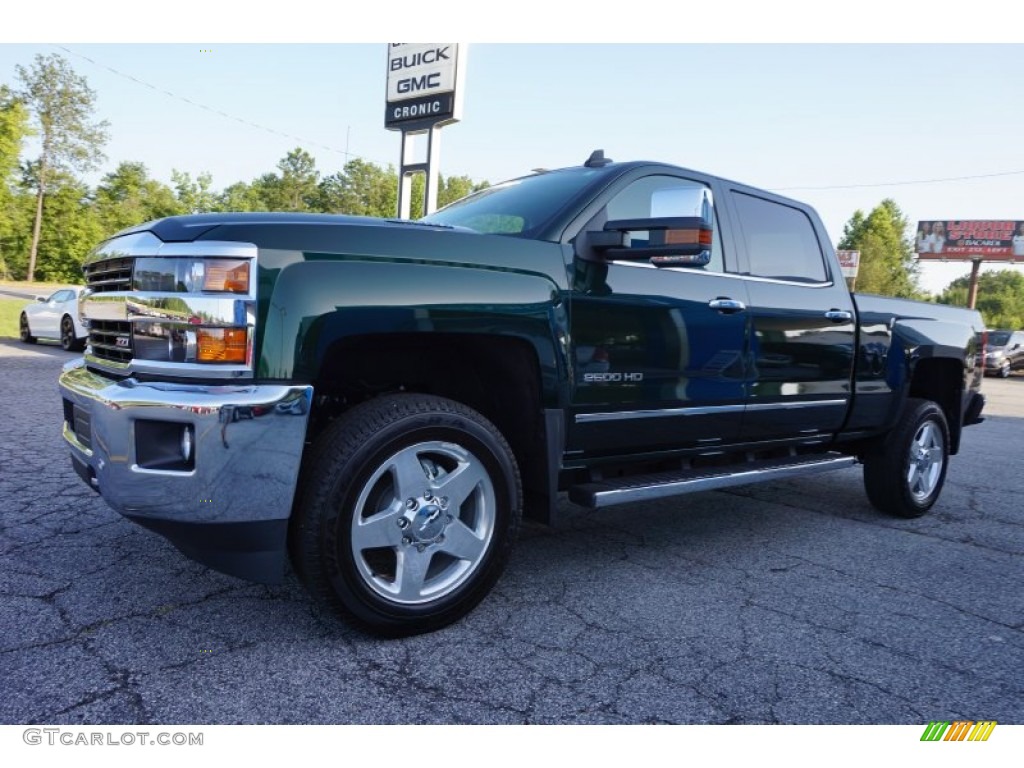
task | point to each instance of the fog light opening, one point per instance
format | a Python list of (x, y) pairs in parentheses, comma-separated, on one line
[(186, 444)]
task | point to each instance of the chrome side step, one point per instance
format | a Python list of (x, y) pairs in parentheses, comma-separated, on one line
[(605, 493)]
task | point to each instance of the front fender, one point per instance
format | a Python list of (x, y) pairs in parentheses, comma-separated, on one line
[(318, 303)]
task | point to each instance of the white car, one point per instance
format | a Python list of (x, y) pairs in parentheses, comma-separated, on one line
[(55, 317)]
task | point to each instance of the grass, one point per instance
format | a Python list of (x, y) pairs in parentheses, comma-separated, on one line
[(10, 311)]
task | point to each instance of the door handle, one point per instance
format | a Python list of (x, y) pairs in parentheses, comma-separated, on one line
[(726, 305), (839, 315)]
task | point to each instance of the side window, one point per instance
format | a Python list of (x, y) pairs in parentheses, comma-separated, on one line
[(780, 240), (662, 196)]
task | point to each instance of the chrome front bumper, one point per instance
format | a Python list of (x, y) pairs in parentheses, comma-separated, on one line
[(228, 506)]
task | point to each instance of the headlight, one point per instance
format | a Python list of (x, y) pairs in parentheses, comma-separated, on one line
[(194, 275)]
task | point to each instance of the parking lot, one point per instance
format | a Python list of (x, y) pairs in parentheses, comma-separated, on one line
[(791, 602)]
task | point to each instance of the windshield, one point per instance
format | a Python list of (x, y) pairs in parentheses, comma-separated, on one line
[(999, 339), (520, 207)]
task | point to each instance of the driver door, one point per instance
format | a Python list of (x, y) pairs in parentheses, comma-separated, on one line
[(659, 354)]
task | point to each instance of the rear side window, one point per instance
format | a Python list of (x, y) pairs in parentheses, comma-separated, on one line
[(780, 241)]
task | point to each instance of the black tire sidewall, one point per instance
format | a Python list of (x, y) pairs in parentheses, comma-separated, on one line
[(926, 412), (338, 562), (24, 329), (67, 340)]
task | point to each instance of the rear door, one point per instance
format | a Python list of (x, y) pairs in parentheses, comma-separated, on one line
[(802, 318)]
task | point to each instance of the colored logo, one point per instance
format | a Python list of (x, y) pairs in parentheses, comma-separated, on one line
[(959, 730)]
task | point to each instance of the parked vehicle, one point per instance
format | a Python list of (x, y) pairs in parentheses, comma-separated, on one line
[(55, 317), (1004, 352), (410, 390)]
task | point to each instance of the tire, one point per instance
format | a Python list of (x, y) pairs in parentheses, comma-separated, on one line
[(905, 476), (393, 549), (1004, 372), (68, 341), (23, 330)]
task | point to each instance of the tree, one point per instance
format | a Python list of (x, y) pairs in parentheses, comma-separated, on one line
[(887, 264), (13, 129), (70, 228), (240, 197), (194, 196), (127, 196), (1000, 297), (455, 188), (298, 187), (61, 104), (361, 189)]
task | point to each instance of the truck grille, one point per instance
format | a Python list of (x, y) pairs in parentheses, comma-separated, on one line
[(111, 340), (109, 275)]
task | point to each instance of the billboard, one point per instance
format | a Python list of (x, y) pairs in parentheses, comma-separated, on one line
[(423, 85), (969, 240)]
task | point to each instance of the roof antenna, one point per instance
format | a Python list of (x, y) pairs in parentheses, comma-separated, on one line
[(597, 159)]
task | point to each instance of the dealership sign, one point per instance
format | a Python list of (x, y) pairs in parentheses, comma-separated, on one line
[(849, 262), (423, 85), (970, 240)]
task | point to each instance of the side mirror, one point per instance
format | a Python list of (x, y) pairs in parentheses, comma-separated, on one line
[(670, 241)]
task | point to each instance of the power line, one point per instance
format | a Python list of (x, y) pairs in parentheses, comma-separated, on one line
[(213, 110), (905, 183)]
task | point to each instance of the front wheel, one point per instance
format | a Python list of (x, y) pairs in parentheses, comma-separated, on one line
[(1004, 371), (905, 476), (408, 511)]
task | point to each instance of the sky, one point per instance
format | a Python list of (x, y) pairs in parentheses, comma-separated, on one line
[(839, 125)]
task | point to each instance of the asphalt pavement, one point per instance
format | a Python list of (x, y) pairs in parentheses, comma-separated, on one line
[(790, 602)]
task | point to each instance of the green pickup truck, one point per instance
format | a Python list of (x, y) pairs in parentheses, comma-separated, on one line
[(384, 400)]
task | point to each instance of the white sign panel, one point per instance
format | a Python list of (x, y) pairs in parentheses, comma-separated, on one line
[(422, 83), (421, 69), (849, 262)]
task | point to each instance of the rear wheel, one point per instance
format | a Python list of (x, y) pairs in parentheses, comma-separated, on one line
[(905, 476), (23, 330), (68, 341), (408, 512)]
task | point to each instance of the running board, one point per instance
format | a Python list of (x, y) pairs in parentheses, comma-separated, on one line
[(605, 493)]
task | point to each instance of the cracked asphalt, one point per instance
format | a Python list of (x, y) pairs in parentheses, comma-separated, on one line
[(792, 602)]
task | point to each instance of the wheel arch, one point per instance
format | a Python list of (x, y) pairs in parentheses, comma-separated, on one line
[(940, 379), (500, 377)]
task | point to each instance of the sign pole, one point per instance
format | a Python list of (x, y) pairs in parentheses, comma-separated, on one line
[(972, 292), (433, 170)]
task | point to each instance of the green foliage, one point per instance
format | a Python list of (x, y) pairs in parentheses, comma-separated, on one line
[(361, 189), (70, 229), (240, 197), (127, 196), (455, 188), (61, 104), (14, 128), (887, 264), (194, 196), (1000, 297)]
